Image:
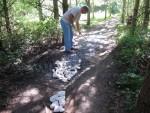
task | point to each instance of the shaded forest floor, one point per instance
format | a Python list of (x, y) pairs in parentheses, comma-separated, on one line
[(92, 90)]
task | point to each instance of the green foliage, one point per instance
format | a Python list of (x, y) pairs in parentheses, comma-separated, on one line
[(132, 52), (129, 84), (10, 57), (1, 9), (103, 7), (35, 31), (81, 4), (24, 11), (129, 81), (25, 34), (26, 29), (94, 22), (32, 3), (113, 8), (13, 47), (130, 48)]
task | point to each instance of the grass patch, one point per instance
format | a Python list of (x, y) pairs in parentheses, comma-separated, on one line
[(94, 22)]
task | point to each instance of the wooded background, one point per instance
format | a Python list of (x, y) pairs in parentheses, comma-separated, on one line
[(26, 25)]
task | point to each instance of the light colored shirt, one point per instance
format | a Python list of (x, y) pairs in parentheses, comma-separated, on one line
[(75, 11)]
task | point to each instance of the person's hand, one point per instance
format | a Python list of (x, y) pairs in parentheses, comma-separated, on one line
[(79, 33)]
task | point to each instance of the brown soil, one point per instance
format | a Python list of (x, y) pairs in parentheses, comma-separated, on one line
[(92, 92)]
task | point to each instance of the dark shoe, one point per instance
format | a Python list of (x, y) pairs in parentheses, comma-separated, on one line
[(68, 52), (74, 49)]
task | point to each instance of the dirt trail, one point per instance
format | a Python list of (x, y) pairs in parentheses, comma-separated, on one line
[(94, 91), (90, 91)]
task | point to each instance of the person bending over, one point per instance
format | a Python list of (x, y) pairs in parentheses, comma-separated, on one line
[(67, 23)]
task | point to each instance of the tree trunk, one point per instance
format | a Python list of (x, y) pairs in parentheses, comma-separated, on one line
[(110, 9), (0, 24), (135, 16), (70, 3), (110, 12), (123, 11), (128, 5), (39, 6), (93, 9), (146, 14), (55, 9), (1, 43), (65, 6), (88, 15), (132, 5), (105, 12), (1, 15), (76, 2), (143, 102), (6, 14)]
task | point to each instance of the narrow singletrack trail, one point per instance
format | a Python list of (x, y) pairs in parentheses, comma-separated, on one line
[(94, 91), (87, 75)]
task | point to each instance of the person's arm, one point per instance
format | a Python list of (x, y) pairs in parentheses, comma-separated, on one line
[(71, 20), (78, 27)]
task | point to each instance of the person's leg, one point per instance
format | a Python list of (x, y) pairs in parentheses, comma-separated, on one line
[(67, 38), (71, 35)]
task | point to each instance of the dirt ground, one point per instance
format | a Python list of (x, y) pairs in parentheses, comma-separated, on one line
[(92, 90)]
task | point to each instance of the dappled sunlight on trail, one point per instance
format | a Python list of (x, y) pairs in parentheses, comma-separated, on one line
[(72, 73), (90, 92)]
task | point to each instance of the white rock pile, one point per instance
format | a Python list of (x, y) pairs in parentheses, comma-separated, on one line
[(58, 102), (66, 68)]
